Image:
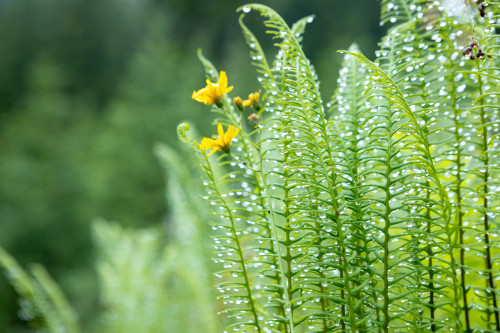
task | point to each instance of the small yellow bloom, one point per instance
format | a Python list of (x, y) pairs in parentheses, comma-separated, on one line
[(253, 100), (213, 92), (222, 143), (238, 102)]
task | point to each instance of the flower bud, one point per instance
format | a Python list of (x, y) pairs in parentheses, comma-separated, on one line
[(253, 119), (238, 102), (253, 101)]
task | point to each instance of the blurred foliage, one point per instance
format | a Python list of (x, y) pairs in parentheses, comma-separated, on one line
[(87, 89), (44, 305), (150, 279)]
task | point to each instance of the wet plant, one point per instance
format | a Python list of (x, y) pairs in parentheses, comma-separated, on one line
[(376, 211)]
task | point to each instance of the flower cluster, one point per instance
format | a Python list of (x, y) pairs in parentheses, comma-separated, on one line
[(212, 94)]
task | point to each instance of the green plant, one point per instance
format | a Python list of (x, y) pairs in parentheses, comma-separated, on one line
[(150, 280), (379, 211), (43, 303)]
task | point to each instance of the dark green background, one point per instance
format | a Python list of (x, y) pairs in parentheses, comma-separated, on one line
[(87, 87)]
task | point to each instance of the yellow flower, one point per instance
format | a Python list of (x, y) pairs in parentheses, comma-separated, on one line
[(253, 100), (213, 92), (238, 102), (222, 143)]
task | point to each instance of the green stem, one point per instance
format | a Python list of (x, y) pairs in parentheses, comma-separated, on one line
[(387, 225), (430, 255), (238, 246), (277, 277), (489, 266), (288, 241), (324, 302), (352, 158), (288, 297), (458, 190)]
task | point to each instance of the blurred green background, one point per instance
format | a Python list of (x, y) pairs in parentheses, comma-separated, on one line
[(87, 87)]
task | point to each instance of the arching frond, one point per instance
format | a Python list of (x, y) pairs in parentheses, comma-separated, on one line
[(360, 212)]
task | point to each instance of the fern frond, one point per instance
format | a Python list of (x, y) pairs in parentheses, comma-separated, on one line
[(470, 139), (187, 231), (354, 223), (311, 202), (347, 122), (399, 11), (404, 134), (258, 57), (147, 285), (242, 215), (59, 313), (46, 307)]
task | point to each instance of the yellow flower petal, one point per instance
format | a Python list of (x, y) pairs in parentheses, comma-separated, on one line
[(227, 137), (223, 80), (222, 142), (220, 130), (213, 92), (206, 143), (213, 151), (253, 99)]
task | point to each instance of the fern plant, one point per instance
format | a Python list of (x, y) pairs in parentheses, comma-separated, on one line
[(376, 211)]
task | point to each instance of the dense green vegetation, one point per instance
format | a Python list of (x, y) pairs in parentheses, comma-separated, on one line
[(89, 87), (376, 211)]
